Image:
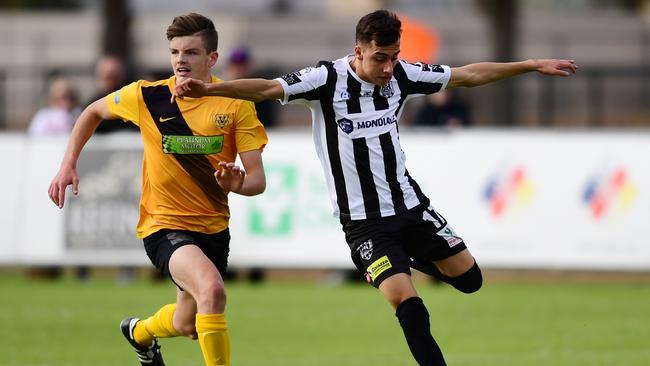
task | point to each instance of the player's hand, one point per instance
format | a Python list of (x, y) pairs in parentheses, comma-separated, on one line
[(65, 177), (557, 67), (230, 177), (192, 88)]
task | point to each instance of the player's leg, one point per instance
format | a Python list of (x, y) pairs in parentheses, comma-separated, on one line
[(198, 275), (171, 320), (413, 318), (141, 334), (185, 315), (438, 251), (461, 271), (377, 252), (158, 325)]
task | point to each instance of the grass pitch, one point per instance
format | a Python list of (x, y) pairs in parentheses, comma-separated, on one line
[(66, 322)]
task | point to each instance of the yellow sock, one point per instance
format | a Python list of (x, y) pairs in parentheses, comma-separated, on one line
[(159, 325), (214, 339)]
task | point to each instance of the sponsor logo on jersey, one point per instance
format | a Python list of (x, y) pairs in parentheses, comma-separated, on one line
[(382, 121), (221, 120), (365, 250), (387, 91), (366, 93), (378, 267), (116, 98), (432, 68), (345, 125), (292, 78), (181, 144)]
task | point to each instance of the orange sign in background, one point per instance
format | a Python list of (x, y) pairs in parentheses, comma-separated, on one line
[(419, 42)]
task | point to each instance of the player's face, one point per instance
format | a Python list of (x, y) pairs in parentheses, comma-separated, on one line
[(376, 63), (190, 59)]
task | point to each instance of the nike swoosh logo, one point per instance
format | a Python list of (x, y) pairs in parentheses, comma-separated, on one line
[(161, 120)]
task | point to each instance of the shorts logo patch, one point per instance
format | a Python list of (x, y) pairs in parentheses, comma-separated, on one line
[(176, 238), (365, 250), (378, 267), (450, 236)]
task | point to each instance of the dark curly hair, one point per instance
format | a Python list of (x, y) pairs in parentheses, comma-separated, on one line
[(381, 26)]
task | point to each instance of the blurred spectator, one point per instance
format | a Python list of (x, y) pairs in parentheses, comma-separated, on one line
[(240, 66), (443, 109), (60, 114), (110, 75)]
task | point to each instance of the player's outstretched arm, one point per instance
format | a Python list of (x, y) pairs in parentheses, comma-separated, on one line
[(255, 90), (486, 72), (83, 128), (249, 182)]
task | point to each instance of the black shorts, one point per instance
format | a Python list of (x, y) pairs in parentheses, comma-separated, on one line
[(383, 247), (161, 245)]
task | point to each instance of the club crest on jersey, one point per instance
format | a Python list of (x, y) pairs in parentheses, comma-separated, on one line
[(387, 91), (345, 95), (345, 125), (365, 250), (221, 120)]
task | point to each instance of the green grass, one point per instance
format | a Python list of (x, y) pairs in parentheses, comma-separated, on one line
[(307, 324)]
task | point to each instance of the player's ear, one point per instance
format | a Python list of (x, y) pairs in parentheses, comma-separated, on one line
[(358, 52), (214, 55)]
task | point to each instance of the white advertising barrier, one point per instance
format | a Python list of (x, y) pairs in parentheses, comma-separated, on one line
[(541, 199), (533, 199)]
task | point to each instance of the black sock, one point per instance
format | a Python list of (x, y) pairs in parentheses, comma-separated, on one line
[(468, 282), (414, 319)]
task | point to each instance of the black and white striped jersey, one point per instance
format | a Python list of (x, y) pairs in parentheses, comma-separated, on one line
[(354, 125)]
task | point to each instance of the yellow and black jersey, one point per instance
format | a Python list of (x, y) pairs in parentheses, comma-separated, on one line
[(183, 143)]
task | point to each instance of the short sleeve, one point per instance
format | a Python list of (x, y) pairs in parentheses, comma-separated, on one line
[(304, 85), (124, 103), (426, 78), (249, 132)]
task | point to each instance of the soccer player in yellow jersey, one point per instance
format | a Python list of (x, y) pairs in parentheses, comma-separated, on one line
[(189, 151)]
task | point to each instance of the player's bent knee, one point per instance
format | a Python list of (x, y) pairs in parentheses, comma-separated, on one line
[(186, 329), (217, 292), (212, 295), (470, 281)]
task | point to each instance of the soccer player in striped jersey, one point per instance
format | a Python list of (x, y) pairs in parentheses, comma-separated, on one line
[(389, 223), (184, 211)]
